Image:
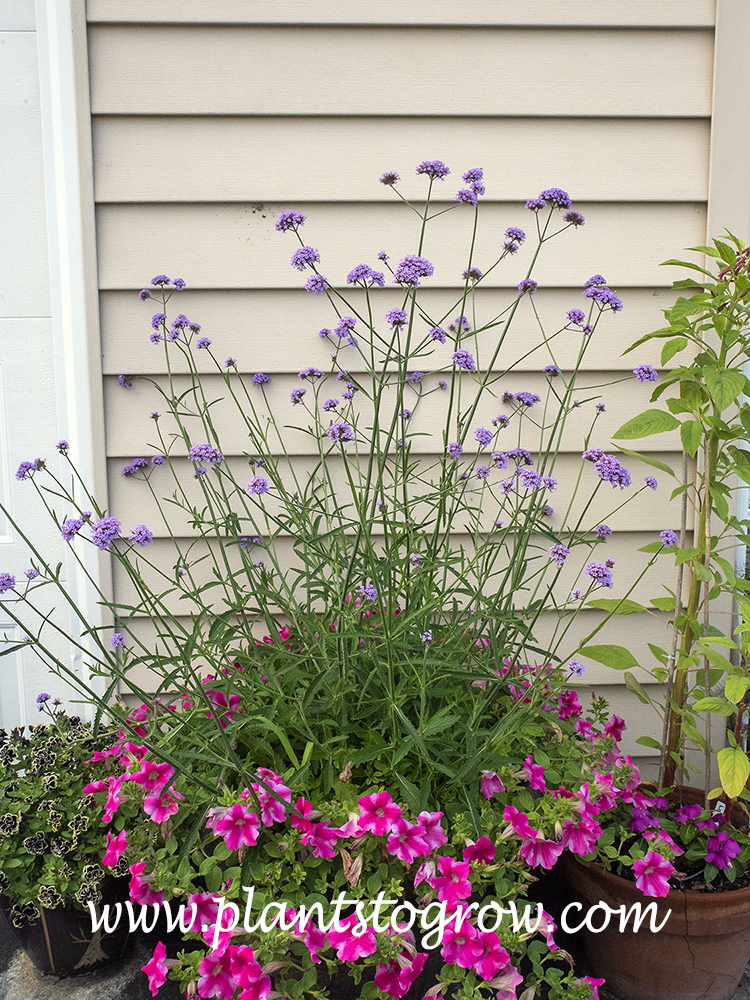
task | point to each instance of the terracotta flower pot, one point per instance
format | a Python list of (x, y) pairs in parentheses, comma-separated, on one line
[(699, 954), (61, 942)]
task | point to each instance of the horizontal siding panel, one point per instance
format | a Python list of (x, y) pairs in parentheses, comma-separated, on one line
[(667, 13), (633, 631), (651, 511), (237, 159), (129, 426), (340, 70), (236, 246), (277, 331)]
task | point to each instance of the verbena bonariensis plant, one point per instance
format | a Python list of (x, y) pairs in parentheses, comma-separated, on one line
[(405, 590)]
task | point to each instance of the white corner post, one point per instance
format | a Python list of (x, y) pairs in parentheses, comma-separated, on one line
[(69, 187)]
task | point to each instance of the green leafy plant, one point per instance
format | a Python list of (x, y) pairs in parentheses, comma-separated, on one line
[(706, 671)]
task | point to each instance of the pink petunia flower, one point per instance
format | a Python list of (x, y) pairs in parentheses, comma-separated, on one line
[(462, 947), (216, 978), (314, 940), (247, 973), (140, 887), (116, 846), (568, 705), (152, 775), (493, 957), (378, 813), (349, 947), (535, 774), (490, 784), (483, 850), (271, 810), (156, 968), (302, 822), (161, 806), (397, 976), (652, 874), (519, 821), (547, 928), (206, 910), (453, 882), (425, 872), (538, 851), (432, 833), (594, 984), (615, 728), (580, 838), (239, 827), (505, 983), (322, 839), (115, 797), (94, 787), (406, 841)]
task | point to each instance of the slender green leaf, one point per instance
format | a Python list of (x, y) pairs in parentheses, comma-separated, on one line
[(717, 706), (633, 685), (647, 423), (655, 463), (616, 657), (649, 741), (623, 606), (691, 435)]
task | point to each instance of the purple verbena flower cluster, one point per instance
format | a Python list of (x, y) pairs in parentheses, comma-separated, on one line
[(257, 486), (411, 268), (611, 470), (464, 360), (105, 531), (25, 469), (305, 257), (645, 373), (558, 553), (340, 432), (317, 284), (289, 220), (363, 274), (434, 169), (397, 317), (205, 453), (140, 535), (600, 573), (483, 436)]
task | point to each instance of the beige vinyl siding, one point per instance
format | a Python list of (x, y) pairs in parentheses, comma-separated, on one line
[(276, 330), (235, 245), (339, 159), (279, 70), (207, 122), (637, 13)]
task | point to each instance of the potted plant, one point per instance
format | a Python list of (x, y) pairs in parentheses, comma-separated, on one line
[(687, 846), (53, 847)]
